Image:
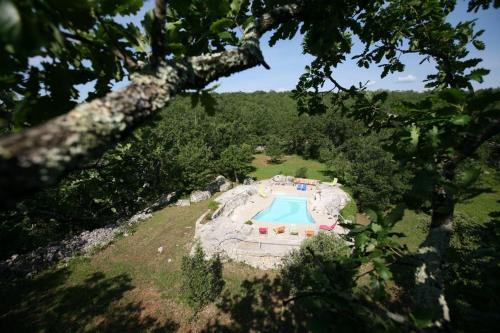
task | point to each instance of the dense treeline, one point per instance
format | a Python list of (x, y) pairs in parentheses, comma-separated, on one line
[(186, 146)]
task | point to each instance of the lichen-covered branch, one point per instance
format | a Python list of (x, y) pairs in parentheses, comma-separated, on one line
[(40, 156)]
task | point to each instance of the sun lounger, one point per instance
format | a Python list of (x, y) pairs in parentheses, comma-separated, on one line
[(309, 232), (280, 229), (301, 187), (262, 230), (261, 192), (328, 227)]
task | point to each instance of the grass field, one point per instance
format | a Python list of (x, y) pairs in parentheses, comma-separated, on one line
[(129, 287), (264, 169), (482, 201), (126, 287)]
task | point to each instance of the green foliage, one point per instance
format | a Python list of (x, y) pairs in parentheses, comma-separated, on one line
[(195, 162), (474, 264), (322, 276), (235, 161), (274, 149), (375, 179), (213, 205), (249, 222), (202, 279), (301, 172)]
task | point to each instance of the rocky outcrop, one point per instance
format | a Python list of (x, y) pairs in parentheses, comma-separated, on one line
[(260, 149), (225, 187), (248, 181), (33, 262), (183, 203), (283, 179), (198, 196), (220, 184), (232, 199)]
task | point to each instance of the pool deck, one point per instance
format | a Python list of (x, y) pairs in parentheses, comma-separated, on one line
[(228, 233)]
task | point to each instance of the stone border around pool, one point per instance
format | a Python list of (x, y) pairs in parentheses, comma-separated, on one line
[(227, 234)]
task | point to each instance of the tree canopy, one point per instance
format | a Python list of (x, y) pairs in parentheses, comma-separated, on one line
[(49, 48)]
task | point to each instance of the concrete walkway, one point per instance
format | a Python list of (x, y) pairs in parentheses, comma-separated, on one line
[(229, 235)]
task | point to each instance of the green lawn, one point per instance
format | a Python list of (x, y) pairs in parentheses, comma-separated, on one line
[(126, 287), (264, 169), (483, 199), (130, 287)]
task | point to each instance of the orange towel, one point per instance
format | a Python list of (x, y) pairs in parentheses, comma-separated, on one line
[(280, 229), (309, 232)]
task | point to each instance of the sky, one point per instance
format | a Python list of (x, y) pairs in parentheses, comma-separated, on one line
[(287, 61)]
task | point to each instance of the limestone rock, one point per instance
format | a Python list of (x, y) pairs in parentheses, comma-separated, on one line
[(279, 179), (225, 187), (260, 149), (198, 196), (183, 202), (248, 181), (216, 184)]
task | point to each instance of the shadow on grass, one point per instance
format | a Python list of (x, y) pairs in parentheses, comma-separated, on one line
[(473, 282), (47, 304), (473, 192), (268, 305), (472, 265), (255, 307)]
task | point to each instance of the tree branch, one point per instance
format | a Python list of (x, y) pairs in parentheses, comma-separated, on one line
[(158, 35), (118, 51), (40, 156), (471, 143)]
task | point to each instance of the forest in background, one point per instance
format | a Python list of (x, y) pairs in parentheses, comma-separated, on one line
[(187, 145)]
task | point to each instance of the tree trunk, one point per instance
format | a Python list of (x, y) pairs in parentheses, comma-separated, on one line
[(236, 177), (429, 277)]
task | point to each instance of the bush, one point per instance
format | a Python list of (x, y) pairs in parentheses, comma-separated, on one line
[(474, 263), (301, 271), (301, 172), (202, 279), (213, 205)]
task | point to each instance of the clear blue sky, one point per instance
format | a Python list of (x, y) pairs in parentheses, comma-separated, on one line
[(287, 61)]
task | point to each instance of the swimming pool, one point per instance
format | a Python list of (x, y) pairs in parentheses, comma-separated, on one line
[(286, 210)]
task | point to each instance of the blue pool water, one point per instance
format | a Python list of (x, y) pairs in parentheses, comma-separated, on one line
[(286, 210)]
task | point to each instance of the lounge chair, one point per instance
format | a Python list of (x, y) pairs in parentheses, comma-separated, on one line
[(280, 229), (294, 230), (309, 232), (263, 230), (261, 192), (328, 227)]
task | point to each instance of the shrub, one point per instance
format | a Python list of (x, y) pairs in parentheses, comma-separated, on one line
[(213, 205), (202, 279), (301, 172)]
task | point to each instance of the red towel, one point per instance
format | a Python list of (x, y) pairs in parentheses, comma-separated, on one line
[(263, 230), (327, 227)]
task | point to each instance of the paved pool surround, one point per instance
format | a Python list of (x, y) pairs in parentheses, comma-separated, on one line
[(231, 235)]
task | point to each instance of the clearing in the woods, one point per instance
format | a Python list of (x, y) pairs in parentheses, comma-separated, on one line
[(129, 286)]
